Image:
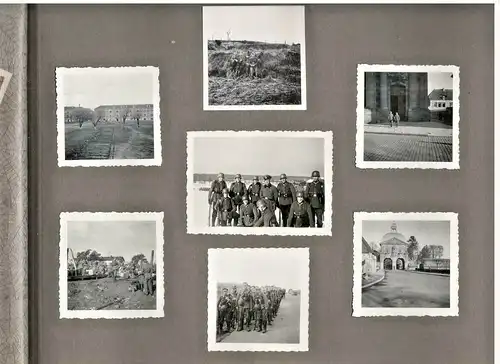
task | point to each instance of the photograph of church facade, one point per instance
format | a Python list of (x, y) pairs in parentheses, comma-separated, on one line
[(407, 114), (405, 263)]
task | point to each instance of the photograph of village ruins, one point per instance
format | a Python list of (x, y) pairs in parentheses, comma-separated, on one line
[(407, 265), (111, 266), (108, 116), (408, 116), (254, 57), (258, 299), (235, 187)]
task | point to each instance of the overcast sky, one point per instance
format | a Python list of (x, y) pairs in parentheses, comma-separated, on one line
[(94, 88), (275, 24), (293, 156), (286, 268), (116, 238), (426, 232), (437, 80)]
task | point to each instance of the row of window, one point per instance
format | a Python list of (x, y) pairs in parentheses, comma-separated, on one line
[(442, 104)]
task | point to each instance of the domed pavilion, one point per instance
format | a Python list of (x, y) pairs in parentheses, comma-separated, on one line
[(393, 250)]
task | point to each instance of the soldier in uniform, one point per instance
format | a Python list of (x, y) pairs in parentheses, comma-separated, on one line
[(315, 194), (267, 217), (215, 194), (286, 196), (269, 310), (226, 209), (260, 310), (147, 270), (254, 190), (269, 193), (248, 213), (237, 191), (223, 309), (245, 303), (234, 316), (300, 213)]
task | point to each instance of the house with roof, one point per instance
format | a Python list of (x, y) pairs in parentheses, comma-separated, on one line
[(440, 99), (370, 257)]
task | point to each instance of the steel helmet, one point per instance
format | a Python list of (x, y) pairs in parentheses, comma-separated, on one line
[(283, 176), (315, 174)]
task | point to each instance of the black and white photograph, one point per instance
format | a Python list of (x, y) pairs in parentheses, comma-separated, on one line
[(405, 264), (259, 182), (408, 117), (111, 265), (108, 116), (258, 299), (254, 58)]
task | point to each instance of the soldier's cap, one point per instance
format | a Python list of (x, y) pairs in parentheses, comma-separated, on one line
[(220, 175), (245, 198), (238, 176), (283, 176), (261, 203), (256, 178), (315, 174), (267, 177), (299, 194), (224, 289), (225, 190)]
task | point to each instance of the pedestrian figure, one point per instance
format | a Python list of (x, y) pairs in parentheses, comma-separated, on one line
[(237, 191), (390, 118), (223, 310), (300, 213), (315, 194), (397, 118), (269, 193), (254, 190), (248, 213), (215, 194), (286, 196), (226, 209), (245, 303)]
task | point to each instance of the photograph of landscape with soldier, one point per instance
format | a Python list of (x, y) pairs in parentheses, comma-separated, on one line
[(258, 299), (254, 58), (111, 265), (405, 264), (108, 116), (263, 183), (408, 116)]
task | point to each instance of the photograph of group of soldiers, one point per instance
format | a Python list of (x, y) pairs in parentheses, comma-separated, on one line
[(249, 308), (285, 204)]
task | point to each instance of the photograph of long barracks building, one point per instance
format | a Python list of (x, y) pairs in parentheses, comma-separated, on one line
[(409, 95), (114, 113)]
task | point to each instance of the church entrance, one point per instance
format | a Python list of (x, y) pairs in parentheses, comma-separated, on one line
[(398, 101), (388, 264), (400, 264)]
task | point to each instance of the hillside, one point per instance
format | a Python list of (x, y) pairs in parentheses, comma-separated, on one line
[(277, 80)]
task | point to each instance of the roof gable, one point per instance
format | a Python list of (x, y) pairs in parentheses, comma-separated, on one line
[(438, 93)]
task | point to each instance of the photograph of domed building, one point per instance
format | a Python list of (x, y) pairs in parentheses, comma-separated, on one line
[(407, 262), (407, 114)]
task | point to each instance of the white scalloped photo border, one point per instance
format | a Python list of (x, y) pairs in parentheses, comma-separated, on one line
[(325, 230), (360, 124), (303, 344), (60, 72), (358, 310), (66, 217)]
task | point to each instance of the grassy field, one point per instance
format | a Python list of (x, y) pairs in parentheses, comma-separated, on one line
[(278, 81)]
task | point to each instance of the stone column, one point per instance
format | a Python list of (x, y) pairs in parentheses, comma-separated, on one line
[(371, 91), (384, 106), (423, 91)]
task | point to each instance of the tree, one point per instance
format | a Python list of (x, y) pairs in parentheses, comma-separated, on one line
[(412, 248), (81, 115), (436, 251), (123, 114), (424, 254), (93, 255), (137, 258), (136, 115), (97, 116)]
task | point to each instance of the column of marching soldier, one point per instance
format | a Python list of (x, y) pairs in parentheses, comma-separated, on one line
[(256, 205), (237, 310)]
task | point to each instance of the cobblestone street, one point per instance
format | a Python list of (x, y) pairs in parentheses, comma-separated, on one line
[(407, 148)]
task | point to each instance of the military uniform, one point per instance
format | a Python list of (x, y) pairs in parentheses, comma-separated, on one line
[(286, 196), (214, 195), (245, 303), (236, 192), (270, 194), (248, 215), (254, 191), (315, 195), (300, 215), (267, 219), (224, 306), (260, 309), (226, 211), (147, 270)]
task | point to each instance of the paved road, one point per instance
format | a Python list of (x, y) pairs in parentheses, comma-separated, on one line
[(407, 289), (407, 148), (285, 328)]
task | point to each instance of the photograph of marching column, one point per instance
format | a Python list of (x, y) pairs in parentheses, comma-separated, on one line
[(111, 265), (254, 58), (405, 264), (259, 182), (258, 299), (108, 116), (408, 117)]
